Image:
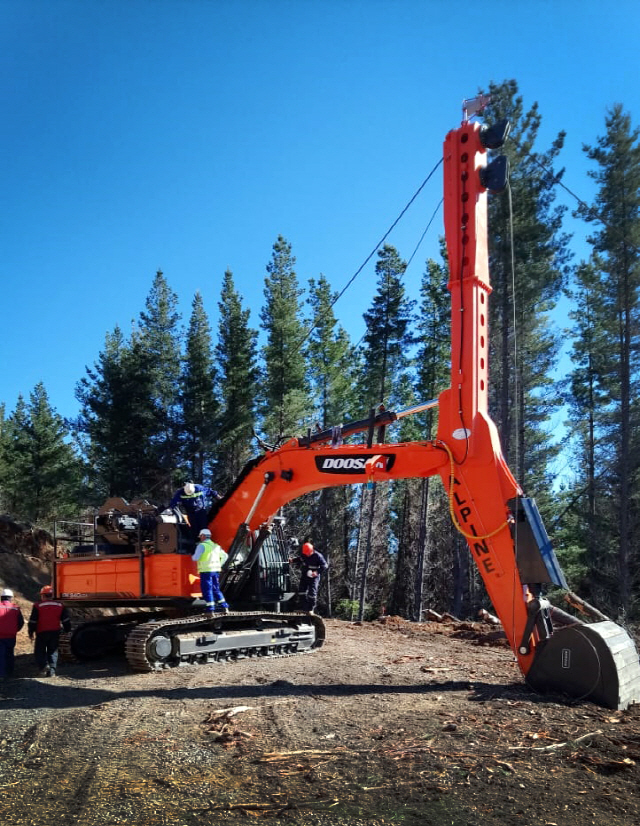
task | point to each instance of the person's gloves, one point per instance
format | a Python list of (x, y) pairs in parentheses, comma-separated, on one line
[(312, 573)]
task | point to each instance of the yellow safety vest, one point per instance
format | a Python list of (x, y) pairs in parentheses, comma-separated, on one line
[(212, 558)]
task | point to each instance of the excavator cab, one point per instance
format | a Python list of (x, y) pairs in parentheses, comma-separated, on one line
[(257, 568)]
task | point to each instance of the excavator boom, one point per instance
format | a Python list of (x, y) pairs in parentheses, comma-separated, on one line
[(503, 528)]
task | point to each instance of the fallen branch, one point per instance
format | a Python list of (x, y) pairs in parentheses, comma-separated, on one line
[(584, 607), (227, 712), (558, 745), (266, 807), (273, 756), (485, 616)]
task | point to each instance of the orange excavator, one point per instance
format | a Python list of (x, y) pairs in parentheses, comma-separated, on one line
[(504, 531)]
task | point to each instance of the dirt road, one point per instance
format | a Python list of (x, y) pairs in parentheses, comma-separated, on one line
[(390, 723)]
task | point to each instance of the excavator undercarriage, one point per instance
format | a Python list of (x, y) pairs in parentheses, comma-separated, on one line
[(234, 636), (131, 550)]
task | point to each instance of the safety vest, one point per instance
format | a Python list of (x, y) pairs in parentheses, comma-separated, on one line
[(212, 558), (10, 616), (49, 615)]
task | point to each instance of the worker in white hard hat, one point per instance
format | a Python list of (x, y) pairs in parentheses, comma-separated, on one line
[(209, 557), (11, 621), (194, 501)]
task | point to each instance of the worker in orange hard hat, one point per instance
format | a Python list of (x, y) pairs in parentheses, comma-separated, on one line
[(312, 565), (48, 618)]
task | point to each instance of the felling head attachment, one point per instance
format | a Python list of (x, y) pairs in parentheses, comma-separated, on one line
[(495, 175)]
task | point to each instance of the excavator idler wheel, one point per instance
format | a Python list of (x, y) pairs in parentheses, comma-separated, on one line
[(159, 648), (596, 662)]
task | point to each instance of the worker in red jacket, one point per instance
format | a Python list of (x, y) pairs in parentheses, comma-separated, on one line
[(48, 618), (11, 621)]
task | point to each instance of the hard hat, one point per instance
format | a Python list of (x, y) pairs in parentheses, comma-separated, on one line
[(307, 549), (7, 593), (205, 532), (46, 591), (189, 488)]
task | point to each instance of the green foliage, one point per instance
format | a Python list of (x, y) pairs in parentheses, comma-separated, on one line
[(347, 609), (41, 472), (523, 346), (331, 360), (199, 402), (236, 359), (331, 373), (388, 339), (159, 343), (285, 406), (605, 383), (118, 419)]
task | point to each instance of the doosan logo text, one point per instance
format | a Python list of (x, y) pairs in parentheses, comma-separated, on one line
[(342, 463), (348, 464)]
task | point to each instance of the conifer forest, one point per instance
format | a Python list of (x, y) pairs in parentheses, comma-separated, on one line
[(196, 398)]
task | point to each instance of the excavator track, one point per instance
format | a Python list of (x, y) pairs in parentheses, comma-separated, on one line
[(207, 638), (92, 639)]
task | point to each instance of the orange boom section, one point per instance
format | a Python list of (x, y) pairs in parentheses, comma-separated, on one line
[(295, 469), (478, 480)]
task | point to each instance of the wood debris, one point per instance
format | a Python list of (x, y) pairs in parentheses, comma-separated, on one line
[(555, 746), (221, 729)]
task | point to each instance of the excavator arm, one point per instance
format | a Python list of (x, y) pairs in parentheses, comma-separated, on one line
[(503, 528)]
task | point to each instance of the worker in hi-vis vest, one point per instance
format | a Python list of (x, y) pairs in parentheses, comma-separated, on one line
[(209, 557)]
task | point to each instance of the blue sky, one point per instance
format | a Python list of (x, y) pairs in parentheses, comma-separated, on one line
[(186, 135)]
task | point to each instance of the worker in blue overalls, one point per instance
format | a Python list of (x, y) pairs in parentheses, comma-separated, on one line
[(209, 557), (194, 501)]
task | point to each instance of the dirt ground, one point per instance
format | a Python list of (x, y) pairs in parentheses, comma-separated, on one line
[(389, 723)]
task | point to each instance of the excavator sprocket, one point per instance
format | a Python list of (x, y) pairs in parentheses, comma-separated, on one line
[(207, 638)]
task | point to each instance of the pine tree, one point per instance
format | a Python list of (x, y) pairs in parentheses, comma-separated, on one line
[(160, 337), (4, 469), (388, 336), (331, 372), (44, 473), (285, 393), (523, 345), (331, 362), (616, 241), (236, 357), (588, 405), (384, 380), (117, 419), (424, 542), (16, 457), (199, 400)]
